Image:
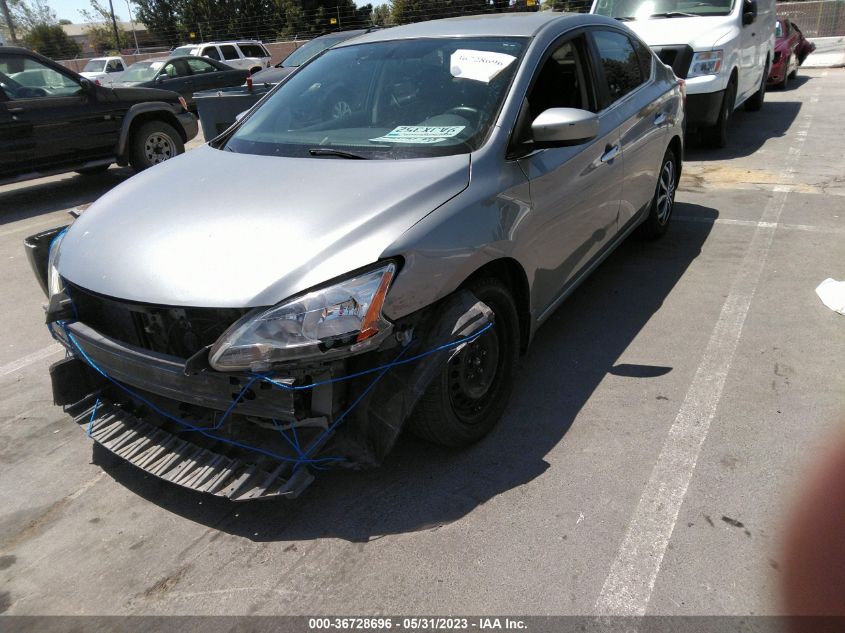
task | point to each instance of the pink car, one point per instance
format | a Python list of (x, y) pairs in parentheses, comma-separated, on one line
[(791, 49)]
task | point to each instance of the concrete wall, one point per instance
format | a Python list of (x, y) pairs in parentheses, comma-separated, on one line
[(278, 51)]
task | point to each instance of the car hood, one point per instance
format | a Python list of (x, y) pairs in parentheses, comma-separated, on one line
[(272, 75), (701, 33), (217, 229)]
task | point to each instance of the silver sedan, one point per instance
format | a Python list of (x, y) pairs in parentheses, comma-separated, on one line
[(370, 247)]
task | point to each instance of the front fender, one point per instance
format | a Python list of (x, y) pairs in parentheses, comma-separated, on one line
[(137, 110)]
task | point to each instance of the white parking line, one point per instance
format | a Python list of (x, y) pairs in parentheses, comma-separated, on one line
[(29, 359), (629, 584), (811, 228)]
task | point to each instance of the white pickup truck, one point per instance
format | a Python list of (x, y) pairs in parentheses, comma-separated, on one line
[(104, 71)]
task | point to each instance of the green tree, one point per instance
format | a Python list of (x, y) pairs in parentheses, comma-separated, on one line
[(27, 14), (407, 11), (381, 15), (52, 41), (100, 29)]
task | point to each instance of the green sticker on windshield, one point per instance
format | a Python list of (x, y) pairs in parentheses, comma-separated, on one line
[(422, 134)]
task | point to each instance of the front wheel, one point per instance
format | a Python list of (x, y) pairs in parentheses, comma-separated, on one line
[(663, 202), (152, 143), (466, 399), (717, 135)]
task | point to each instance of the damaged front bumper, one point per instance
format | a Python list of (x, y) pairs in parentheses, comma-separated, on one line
[(246, 436)]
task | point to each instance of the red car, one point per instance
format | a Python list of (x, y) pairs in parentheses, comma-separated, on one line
[(791, 49)]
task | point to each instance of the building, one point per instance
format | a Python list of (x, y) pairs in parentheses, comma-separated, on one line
[(79, 33)]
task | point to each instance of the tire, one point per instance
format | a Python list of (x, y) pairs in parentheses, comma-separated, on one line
[(663, 202), (756, 101), (93, 171), (716, 136), (460, 406), (783, 84), (152, 143)]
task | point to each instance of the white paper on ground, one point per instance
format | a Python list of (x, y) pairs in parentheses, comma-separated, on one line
[(832, 294), (478, 65), (420, 134)]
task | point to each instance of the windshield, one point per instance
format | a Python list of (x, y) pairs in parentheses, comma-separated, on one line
[(646, 9), (778, 29), (182, 50), (142, 71), (94, 66), (400, 99), (311, 49)]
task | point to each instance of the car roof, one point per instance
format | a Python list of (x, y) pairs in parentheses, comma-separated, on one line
[(496, 24)]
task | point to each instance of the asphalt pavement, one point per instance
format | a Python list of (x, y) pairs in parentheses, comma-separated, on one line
[(661, 424)]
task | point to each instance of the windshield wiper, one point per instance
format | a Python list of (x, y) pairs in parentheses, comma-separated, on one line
[(328, 151), (674, 14), (625, 18)]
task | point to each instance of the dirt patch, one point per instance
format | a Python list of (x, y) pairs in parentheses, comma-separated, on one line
[(166, 584), (5, 601), (7, 561)]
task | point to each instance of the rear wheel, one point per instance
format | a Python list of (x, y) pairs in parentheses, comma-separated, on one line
[(468, 396), (152, 143), (663, 203), (717, 135)]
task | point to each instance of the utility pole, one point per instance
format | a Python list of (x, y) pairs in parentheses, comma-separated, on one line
[(114, 25), (132, 23), (8, 17)]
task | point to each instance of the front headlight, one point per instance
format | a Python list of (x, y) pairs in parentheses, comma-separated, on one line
[(344, 314), (708, 63), (54, 281)]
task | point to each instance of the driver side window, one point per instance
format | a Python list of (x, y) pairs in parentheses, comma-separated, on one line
[(176, 69), (26, 78), (563, 81)]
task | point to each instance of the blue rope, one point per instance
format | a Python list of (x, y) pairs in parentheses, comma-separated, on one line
[(303, 457), (395, 363), (91, 420)]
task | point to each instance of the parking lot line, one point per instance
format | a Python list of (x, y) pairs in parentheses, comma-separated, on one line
[(629, 584), (752, 223), (29, 359)]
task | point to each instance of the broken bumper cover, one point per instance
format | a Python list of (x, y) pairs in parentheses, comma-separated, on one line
[(144, 407), (180, 461)]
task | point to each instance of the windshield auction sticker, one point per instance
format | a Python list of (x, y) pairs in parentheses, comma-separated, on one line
[(478, 65), (423, 134)]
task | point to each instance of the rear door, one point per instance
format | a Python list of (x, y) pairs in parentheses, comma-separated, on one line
[(626, 85), (207, 76), (575, 191), (231, 56), (17, 145)]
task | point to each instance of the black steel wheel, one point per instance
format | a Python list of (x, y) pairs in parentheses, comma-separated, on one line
[(717, 135), (152, 143), (467, 398)]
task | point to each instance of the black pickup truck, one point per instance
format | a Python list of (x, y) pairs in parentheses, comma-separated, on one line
[(52, 120)]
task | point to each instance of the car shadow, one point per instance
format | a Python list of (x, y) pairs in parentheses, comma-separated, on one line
[(747, 132), (797, 81), (40, 197), (422, 486)]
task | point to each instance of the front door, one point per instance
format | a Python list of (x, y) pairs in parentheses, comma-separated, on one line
[(575, 191)]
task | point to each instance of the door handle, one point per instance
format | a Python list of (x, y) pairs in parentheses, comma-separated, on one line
[(15, 110), (660, 119), (609, 153)]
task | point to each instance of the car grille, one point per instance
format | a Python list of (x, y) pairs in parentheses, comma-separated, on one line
[(168, 330), (678, 57)]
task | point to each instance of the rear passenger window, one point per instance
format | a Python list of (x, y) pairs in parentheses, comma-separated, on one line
[(251, 50), (622, 69), (229, 52), (211, 52), (644, 55), (562, 81)]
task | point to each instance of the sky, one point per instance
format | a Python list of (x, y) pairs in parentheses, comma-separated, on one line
[(69, 9)]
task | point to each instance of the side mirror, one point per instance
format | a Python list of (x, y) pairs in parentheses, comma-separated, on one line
[(160, 79), (86, 85), (749, 12), (240, 115), (561, 127)]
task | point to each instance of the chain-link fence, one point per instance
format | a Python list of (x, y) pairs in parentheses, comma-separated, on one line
[(816, 18)]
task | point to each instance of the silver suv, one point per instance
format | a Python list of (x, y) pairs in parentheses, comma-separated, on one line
[(245, 54)]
